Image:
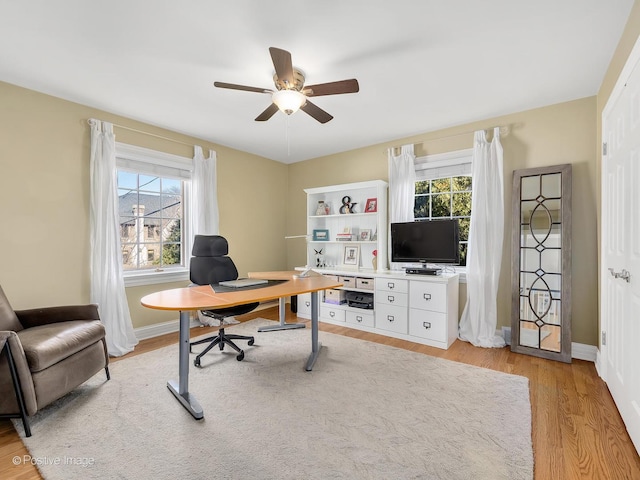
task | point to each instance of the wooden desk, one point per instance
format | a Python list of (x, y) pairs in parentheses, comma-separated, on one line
[(204, 297)]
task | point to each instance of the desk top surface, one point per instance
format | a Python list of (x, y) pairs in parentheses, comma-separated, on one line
[(204, 296)]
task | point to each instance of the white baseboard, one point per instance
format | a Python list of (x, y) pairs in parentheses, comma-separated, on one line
[(157, 329)]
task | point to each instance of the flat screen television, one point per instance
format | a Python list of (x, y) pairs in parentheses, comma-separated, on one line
[(427, 241)]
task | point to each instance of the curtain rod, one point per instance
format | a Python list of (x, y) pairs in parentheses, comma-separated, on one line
[(504, 131), (147, 133)]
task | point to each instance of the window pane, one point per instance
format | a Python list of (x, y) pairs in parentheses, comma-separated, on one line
[(171, 254), (462, 204), (127, 180), (171, 186), (150, 221), (149, 183), (459, 184), (421, 206), (463, 253), (171, 205), (464, 228), (441, 205), (422, 187), (441, 185)]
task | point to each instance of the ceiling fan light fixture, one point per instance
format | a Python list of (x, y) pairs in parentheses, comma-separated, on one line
[(289, 101)]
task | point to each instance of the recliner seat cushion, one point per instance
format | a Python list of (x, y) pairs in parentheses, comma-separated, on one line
[(47, 345)]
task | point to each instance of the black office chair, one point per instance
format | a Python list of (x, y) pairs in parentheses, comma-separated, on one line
[(209, 265)]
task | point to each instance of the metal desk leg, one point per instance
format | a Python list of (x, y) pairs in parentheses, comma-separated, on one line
[(315, 344), (282, 325), (181, 388)]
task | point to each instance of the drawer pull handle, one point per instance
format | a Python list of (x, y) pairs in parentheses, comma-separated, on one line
[(427, 296), (391, 285), (308, 304), (391, 318), (391, 298), (359, 318), (426, 325), (332, 314)]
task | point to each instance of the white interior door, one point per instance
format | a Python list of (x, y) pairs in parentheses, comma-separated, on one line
[(620, 262)]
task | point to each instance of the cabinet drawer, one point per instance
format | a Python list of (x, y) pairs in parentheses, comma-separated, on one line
[(360, 318), (426, 324), (392, 285), (304, 305), (428, 296), (364, 283), (391, 298), (348, 282), (330, 313), (392, 318)]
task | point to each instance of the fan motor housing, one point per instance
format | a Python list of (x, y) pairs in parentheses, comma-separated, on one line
[(298, 81)]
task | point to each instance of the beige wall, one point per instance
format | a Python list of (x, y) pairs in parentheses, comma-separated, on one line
[(44, 195), (563, 133)]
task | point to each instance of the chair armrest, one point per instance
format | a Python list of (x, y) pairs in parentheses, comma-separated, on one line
[(7, 402), (43, 316)]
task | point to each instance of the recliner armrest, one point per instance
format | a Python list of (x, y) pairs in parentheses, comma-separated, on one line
[(8, 403), (44, 316)]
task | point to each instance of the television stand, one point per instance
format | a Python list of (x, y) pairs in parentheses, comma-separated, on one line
[(422, 271)]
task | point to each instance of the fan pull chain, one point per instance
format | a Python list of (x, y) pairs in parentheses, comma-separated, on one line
[(288, 138)]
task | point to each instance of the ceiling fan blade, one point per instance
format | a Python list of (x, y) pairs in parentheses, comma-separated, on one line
[(233, 86), (268, 113), (316, 112), (332, 88), (283, 65)]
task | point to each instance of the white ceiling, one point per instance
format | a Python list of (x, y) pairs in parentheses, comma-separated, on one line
[(422, 65)]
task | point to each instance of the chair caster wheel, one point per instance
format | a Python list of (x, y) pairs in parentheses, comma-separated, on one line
[(250, 342), (196, 363), (240, 357)]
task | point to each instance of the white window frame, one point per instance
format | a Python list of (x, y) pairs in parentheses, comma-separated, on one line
[(147, 161), (442, 165)]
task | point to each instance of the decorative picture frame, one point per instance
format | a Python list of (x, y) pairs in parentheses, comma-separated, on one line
[(365, 235), (320, 235), (371, 206), (351, 255)]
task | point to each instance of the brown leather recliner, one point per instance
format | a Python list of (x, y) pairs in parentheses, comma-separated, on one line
[(47, 352)]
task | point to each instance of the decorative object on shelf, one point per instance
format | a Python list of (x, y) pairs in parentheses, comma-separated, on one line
[(320, 235), (374, 260), (351, 255), (374, 237), (371, 206), (365, 235), (347, 205), (319, 258), (323, 208)]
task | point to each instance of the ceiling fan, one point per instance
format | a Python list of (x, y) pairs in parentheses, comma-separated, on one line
[(291, 94)]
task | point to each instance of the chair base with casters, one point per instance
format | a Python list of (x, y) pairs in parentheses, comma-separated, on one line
[(222, 339)]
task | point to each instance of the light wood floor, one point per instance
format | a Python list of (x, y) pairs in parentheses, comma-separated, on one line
[(577, 431)]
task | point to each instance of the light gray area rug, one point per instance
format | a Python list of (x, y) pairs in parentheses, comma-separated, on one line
[(366, 411)]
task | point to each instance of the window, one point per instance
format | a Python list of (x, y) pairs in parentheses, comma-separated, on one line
[(443, 190), (153, 205)]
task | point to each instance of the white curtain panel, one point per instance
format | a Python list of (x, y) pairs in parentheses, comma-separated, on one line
[(480, 316), (402, 186), (107, 282), (206, 219)]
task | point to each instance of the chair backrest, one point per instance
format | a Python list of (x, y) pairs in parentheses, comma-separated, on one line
[(210, 263), (8, 318)]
